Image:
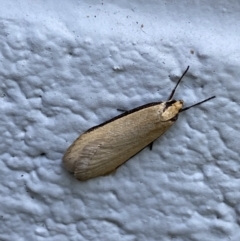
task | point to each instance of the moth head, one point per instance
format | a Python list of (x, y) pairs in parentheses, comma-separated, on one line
[(171, 110)]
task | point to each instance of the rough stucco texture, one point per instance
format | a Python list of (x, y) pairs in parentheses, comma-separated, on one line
[(67, 66)]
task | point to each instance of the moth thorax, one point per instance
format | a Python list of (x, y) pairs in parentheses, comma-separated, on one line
[(172, 109)]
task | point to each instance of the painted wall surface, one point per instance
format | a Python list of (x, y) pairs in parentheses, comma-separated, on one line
[(66, 66)]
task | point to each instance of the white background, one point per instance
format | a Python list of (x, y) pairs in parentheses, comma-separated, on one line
[(66, 66)]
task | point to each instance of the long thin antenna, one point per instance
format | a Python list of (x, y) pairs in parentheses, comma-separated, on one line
[(173, 91), (199, 103)]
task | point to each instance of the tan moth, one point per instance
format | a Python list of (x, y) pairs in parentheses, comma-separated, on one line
[(103, 148)]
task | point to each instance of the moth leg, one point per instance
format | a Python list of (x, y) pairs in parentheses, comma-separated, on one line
[(121, 110), (151, 145)]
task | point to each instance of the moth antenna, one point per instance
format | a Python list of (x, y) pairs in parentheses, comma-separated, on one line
[(199, 103), (173, 91)]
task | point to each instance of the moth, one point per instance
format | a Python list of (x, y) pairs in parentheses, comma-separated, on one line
[(103, 148)]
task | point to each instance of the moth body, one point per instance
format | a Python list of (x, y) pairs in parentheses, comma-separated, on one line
[(102, 149)]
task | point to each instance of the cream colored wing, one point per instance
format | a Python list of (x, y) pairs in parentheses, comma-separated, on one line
[(103, 149)]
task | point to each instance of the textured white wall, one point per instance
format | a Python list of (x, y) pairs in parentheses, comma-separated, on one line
[(67, 66)]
